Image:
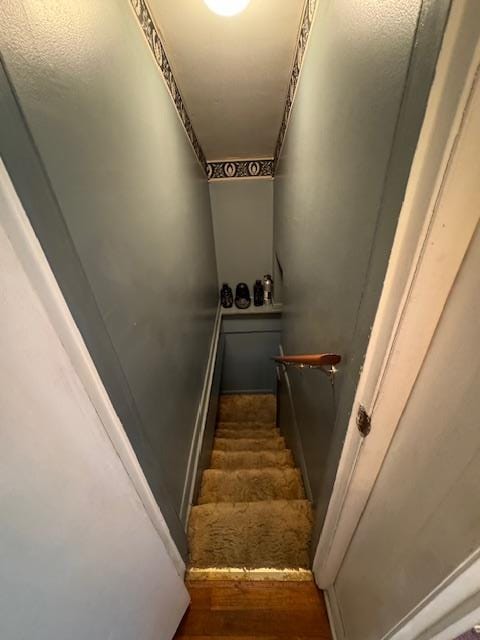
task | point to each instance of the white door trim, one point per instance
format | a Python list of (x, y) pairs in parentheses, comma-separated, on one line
[(200, 422), (29, 251), (361, 458)]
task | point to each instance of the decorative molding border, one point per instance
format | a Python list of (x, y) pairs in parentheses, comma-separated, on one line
[(153, 38), (228, 169), (225, 169), (307, 21)]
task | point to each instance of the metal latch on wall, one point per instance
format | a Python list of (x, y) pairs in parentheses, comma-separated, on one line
[(364, 421)]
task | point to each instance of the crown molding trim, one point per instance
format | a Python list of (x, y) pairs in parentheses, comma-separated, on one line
[(152, 36), (226, 169), (234, 169), (302, 41)]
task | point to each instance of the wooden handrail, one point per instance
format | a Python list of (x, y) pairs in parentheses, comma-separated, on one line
[(311, 360)]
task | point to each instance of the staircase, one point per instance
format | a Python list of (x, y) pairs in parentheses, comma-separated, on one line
[(251, 511)]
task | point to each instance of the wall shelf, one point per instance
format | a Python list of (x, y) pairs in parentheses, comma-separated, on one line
[(266, 309)]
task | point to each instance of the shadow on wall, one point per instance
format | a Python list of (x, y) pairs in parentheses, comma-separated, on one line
[(337, 196), (124, 220)]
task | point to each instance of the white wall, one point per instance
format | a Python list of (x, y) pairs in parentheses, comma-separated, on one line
[(420, 529), (79, 556), (242, 213), (423, 517)]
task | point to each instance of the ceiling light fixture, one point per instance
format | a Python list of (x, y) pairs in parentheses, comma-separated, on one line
[(227, 7)]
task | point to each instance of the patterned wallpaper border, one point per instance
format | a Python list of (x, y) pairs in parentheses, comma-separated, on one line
[(303, 35), (228, 169), (153, 38)]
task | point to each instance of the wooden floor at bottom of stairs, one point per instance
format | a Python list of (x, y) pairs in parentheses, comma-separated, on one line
[(239, 610)]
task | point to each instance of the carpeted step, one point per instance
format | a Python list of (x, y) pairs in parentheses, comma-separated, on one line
[(246, 424), (251, 485), (273, 534), (247, 407), (247, 433), (251, 460), (248, 444)]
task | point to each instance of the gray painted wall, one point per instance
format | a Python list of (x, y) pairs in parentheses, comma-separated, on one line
[(242, 212), (337, 196), (251, 341), (129, 231)]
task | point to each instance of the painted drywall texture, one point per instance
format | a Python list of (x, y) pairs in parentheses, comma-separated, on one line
[(251, 343), (79, 556), (242, 212), (337, 195), (136, 210), (423, 518)]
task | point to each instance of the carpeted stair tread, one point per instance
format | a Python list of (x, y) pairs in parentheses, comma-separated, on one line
[(251, 459), (251, 511), (247, 433), (251, 485), (247, 408), (274, 534), (246, 424), (248, 444)]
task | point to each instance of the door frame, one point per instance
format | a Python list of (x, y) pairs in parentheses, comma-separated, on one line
[(456, 72)]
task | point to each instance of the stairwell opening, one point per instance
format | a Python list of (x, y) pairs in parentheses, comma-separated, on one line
[(251, 511)]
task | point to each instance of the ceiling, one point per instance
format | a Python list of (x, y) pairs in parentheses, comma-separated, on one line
[(233, 73)]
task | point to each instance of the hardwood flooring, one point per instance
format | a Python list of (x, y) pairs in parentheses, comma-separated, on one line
[(254, 610)]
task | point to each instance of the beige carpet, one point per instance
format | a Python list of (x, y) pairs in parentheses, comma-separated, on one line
[(251, 510), (247, 408), (248, 432)]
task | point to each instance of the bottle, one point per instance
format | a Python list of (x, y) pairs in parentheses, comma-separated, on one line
[(242, 296), (226, 296), (267, 289), (258, 293)]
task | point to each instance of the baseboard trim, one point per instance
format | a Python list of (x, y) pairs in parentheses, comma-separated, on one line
[(334, 615), (200, 423)]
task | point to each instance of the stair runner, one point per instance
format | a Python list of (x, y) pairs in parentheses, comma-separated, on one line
[(251, 511)]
